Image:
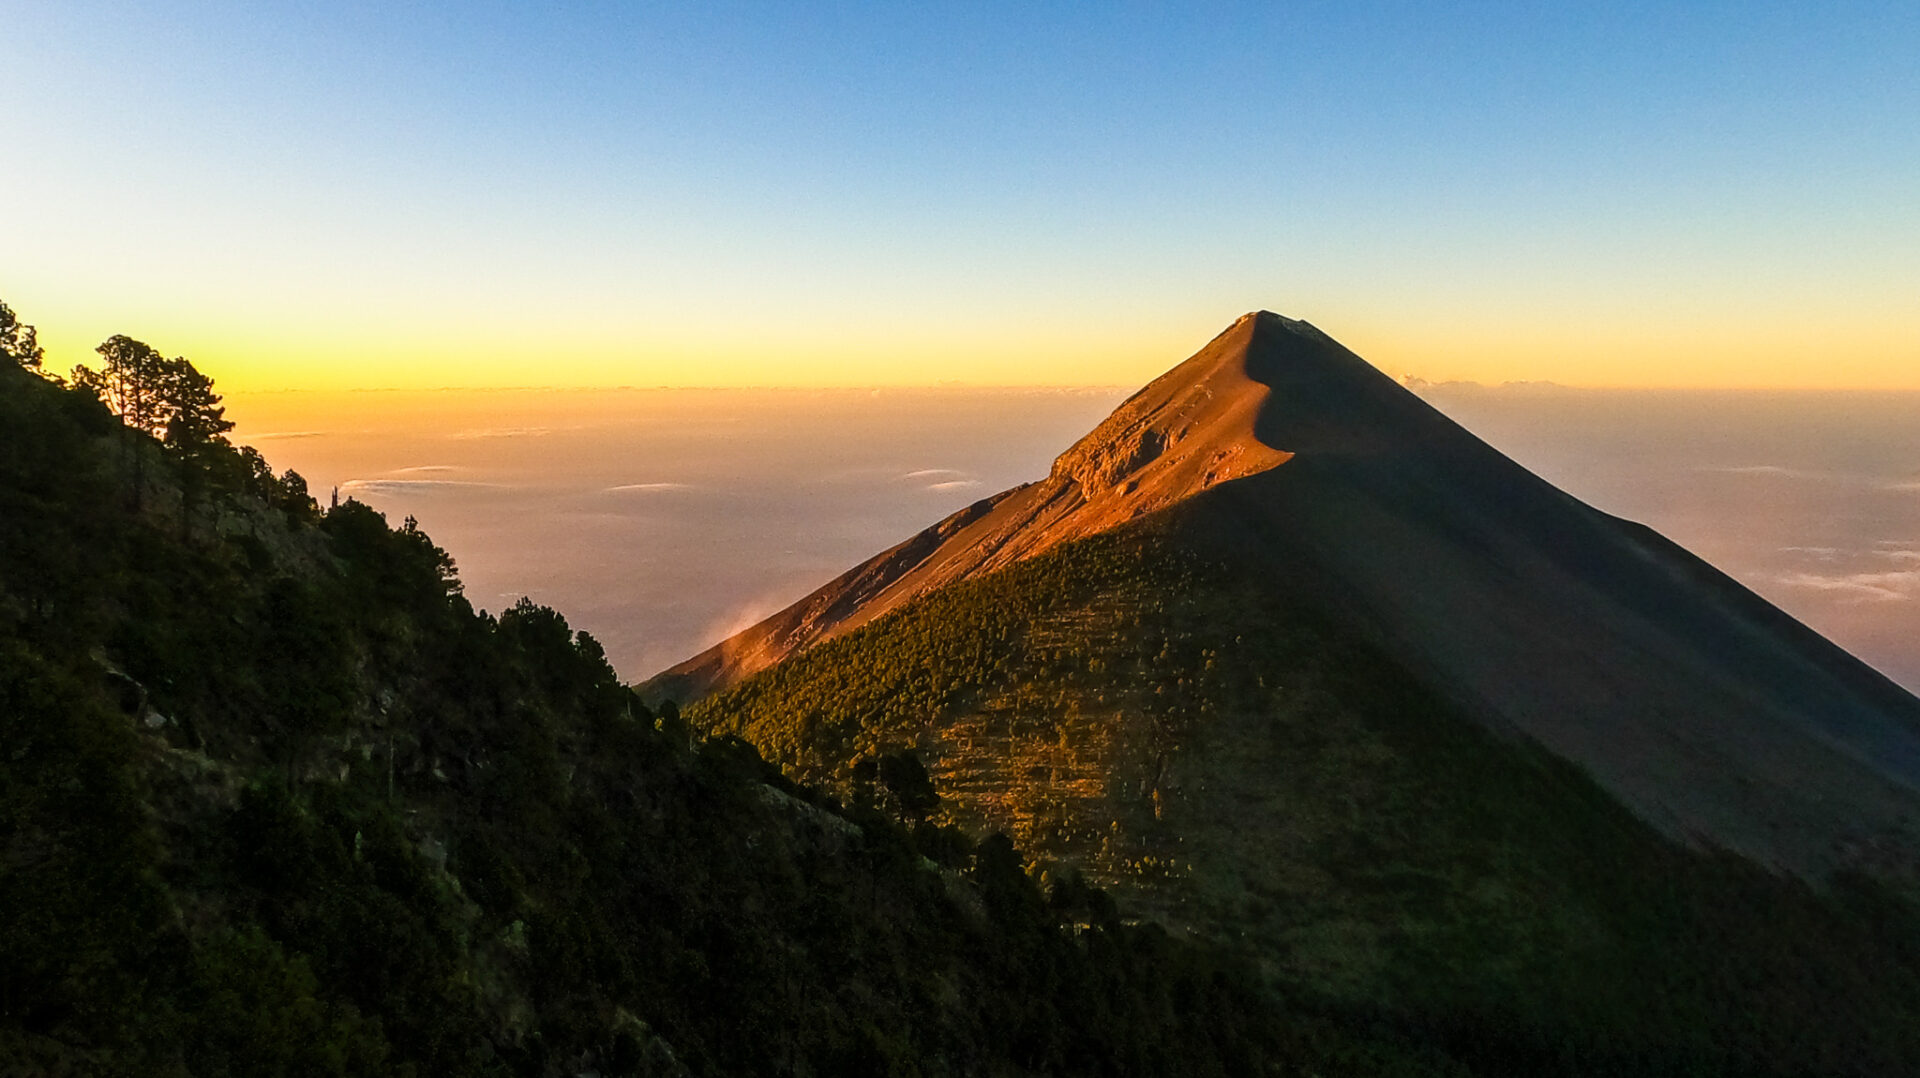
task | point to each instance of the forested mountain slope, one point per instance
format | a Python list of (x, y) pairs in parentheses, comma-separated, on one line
[(1235, 766), (275, 799)]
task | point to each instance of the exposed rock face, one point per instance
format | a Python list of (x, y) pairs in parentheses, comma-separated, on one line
[(1100, 468), (1704, 709), (1190, 429)]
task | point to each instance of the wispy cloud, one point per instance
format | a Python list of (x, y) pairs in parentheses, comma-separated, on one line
[(942, 479), (276, 435), (1776, 470), (1824, 553), (425, 469), (649, 488), (1897, 586), (1419, 385), (500, 432), (402, 487)]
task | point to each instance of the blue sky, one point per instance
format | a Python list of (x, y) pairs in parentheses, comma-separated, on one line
[(347, 194)]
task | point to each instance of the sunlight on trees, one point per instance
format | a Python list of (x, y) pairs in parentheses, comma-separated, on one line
[(166, 398), (19, 342)]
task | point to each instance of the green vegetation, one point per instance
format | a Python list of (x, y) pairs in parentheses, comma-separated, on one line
[(275, 799), (1223, 761), (19, 342)]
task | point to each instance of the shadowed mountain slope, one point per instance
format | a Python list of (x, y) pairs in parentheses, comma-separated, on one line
[(1231, 762), (1706, 711)]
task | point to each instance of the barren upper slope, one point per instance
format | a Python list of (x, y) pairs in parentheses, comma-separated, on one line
[(1187, 431), (1701, 707)]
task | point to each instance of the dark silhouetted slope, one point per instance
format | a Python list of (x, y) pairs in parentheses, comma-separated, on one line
[(275, 799)]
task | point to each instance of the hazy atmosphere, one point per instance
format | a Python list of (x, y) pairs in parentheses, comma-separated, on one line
[(664, 520)]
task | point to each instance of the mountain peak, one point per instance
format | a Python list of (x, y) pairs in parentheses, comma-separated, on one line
[(1263, 389), (1266, 389), (1186, 431), (1191, 429)]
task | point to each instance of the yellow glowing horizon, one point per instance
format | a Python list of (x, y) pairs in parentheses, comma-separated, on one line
[(1595, 352)]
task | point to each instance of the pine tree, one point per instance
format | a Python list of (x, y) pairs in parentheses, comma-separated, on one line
[(195, 418), (19, 343), (131, 383)]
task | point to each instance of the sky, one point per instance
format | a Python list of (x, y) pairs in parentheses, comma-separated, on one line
[(341, 194)]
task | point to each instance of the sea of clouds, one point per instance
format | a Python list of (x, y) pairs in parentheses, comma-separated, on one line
[(664, 520)]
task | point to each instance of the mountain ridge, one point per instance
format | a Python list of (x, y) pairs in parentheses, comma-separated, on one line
[(1145, 456)]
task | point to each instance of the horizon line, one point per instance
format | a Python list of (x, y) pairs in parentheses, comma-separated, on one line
[(1509, 385)]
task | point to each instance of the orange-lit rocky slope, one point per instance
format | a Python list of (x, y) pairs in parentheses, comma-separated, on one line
[(1187, 431), (1704, 709)]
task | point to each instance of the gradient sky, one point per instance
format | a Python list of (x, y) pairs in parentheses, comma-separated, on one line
[(357, 194)]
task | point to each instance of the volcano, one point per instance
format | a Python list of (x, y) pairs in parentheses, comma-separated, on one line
[(1708, 712), (1287, 661)]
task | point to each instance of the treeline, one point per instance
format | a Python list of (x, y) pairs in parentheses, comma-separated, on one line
[(1094, 614), (276, 799)]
